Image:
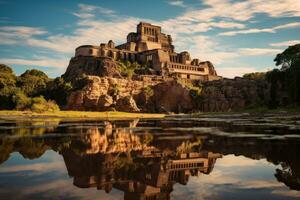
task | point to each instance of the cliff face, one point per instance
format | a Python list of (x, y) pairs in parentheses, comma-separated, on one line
[(91, 66), (108, 94), (233, 94)]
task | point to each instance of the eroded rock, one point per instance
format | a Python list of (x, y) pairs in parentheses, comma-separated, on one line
[(127, 104), (171, 96), (234, 94)]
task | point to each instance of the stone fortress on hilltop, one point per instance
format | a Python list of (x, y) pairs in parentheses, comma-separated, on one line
[(147, 46)]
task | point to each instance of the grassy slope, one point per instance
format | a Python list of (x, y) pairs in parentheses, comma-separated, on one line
[(76, 114)]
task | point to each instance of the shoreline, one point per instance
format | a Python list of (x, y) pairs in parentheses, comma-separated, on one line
[(13, 114), (114, 115)]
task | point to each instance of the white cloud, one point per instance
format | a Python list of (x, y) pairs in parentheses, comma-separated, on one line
[(89, 31), (258, 51), (245, 10), (248, 31), (263, 30), (285, 43), (231, 72), (22, 30), (43, 62), (92, 8), (177, 3), (83, 15)]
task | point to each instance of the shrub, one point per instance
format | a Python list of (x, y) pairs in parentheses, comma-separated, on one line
[(255, 75), (58, 90), (33, 82), (128, 69), (39, 104), (115, 90), (21, 101), (148, 92)]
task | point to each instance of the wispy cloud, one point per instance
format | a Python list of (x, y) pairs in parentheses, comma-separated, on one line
[(285, 43), (83, 15), (22, 30), (43, 62), (258, 51), (244, 10), (177, 3), (263, 30), (92, 8)]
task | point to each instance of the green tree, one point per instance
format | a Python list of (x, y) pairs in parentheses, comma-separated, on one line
[(288, 78), (58, 90), (33, 82), (7, 87), (20, 100), (288, 57)]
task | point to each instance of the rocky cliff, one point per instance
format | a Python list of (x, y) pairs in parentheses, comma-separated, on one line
[(106, 90), (109, 94), (234, 94), (102, 66)]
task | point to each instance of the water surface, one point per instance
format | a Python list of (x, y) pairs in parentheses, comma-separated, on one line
[(228, 157)]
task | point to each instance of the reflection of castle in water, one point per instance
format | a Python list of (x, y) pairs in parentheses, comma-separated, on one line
[(119, 159), (143, 162)]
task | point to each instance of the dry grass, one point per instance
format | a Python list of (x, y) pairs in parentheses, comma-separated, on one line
[(6, 114)]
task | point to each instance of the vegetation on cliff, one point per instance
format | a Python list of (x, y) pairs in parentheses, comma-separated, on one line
[(129, 69)]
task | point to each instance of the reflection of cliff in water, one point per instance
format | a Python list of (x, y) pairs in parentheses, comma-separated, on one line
[(283, 152), (144, 161)]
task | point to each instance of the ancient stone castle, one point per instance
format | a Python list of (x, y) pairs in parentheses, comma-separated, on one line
[(149, 46)]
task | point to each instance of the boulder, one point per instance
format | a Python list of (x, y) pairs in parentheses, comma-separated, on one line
[(126, 104), (105, 102)]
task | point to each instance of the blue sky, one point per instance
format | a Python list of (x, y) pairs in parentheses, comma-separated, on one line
[(237, 36)]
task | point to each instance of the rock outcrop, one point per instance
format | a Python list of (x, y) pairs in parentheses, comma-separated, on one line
[(127, 104), (93, 66), (108, 94), (234, 94), (172, 96)]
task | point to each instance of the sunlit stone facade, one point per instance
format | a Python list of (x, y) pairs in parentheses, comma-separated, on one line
[(149, 46)]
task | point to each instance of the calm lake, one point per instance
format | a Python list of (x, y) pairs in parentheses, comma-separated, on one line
[(224, 157)]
